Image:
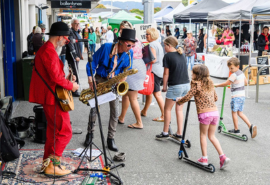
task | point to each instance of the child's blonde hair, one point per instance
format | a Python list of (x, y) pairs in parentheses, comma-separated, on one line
[(171, 40), (202, 75)]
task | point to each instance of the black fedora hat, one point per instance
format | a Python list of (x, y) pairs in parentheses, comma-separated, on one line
[(59, 29), (128, 34)]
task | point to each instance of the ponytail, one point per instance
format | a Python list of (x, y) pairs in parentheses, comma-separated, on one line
[(179, 50)]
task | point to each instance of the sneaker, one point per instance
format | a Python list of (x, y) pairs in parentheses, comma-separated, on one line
[(177, 137), (253, 130), (203, 161), (162, 136), (233, 131), (224, 161)]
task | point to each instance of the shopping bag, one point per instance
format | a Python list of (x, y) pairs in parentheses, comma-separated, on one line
[(147, 54), (148, 82)]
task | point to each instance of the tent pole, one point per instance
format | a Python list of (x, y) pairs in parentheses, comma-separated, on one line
[(189, 23), (207, 35), (240, 28), (252, 38)]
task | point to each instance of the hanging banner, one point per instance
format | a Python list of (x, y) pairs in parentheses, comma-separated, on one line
[(70, 4), (141, 30)]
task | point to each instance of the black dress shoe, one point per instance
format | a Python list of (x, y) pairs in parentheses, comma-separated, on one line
[(76, 94), (111, 145), (88, 139)]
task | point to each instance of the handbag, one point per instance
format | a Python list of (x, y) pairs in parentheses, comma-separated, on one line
[(148, 83), (8, 147), (147, 54)]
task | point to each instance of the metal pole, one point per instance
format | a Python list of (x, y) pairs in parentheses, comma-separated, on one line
[(189, 23), (240, 26), (207, 35), (250, 48), (257, 84)]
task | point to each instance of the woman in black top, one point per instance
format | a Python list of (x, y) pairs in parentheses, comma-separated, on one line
[(200, 41), (175, 76), (236, 41), (263, 41), (37, 39)]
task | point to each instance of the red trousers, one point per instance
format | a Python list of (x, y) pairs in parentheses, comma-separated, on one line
[(63, 130)]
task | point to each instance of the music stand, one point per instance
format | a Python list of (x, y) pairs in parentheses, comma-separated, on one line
[(107, 167)]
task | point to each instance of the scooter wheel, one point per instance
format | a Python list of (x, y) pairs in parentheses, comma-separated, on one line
[(180, 156), (212, 168), (219, 129), (244, 136), (188, 144)]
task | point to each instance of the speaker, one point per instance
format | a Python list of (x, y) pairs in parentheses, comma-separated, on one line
[(40, 124)]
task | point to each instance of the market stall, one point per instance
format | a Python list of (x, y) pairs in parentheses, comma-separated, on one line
[(158, 16)]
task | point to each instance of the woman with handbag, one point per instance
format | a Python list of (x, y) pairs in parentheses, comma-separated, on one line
[(175, 76), (157, 69)]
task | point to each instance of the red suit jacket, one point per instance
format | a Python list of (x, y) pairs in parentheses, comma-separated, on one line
[(50, 67)]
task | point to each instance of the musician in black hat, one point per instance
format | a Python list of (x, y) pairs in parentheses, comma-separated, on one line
[(107, 64), (50, 68)]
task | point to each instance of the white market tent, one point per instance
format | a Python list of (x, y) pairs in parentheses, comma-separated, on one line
[(158, 16), (235, 12), (169, 17)]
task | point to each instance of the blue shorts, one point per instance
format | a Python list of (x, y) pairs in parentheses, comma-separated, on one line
[(175, 91), (237, 104)]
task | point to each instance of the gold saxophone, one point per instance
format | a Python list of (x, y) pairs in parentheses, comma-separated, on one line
[(105, 87)]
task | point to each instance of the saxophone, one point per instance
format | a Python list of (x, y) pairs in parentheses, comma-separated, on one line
[(110, 85)]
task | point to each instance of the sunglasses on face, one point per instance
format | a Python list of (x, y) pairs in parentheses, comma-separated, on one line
[(67, 40), (129, 45), (76, 23)]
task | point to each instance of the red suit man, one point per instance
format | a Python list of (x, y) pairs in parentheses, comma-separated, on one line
[(50, 67)]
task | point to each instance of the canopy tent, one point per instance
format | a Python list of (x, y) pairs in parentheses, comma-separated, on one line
[(123, 15), (235, 12), (262, 9), (158, 16), (169, 17), (103, 15), (200, 11)]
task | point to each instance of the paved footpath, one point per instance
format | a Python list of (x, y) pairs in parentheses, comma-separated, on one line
[(152, 162)]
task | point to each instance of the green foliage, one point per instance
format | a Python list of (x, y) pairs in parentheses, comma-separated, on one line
[(100, 19), (185, 2), (101, 6), (138, 17), (137, 11), (157, 9)]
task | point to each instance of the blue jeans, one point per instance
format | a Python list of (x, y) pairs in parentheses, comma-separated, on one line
[(63, 58), (190, 59), (92, 48)]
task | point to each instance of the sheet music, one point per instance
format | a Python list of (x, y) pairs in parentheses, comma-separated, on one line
[(104, 98)]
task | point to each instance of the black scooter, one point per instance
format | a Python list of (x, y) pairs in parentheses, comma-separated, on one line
[(182, 151)]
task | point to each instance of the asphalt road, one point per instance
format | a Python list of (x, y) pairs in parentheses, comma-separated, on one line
[(152, 162)]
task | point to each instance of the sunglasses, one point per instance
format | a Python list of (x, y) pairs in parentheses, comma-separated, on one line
[(67, 40), (147, 34), (76, 23), (129, 45)]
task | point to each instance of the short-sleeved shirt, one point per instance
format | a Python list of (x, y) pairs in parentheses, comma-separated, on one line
[(178, 73), (238, 84), (157, 68), (190, 45)]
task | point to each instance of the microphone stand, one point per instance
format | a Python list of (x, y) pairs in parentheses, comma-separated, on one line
[(107, 167)]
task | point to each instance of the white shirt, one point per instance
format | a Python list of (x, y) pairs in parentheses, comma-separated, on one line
[(109, 37)]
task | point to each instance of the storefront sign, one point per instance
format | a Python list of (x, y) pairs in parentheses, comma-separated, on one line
[(65, 10), (70, 4), (141, 30)]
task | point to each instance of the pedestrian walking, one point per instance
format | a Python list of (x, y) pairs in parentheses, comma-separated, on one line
[(30, 47), (190, 46), (98, 35), (85, 35), (92, 40), (37, 39), (109, 35), (175, 83), (157, 69)]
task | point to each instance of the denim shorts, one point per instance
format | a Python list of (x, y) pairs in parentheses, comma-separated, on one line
[(175, 91), (237, 104)]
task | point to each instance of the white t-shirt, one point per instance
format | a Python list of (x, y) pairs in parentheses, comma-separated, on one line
[(109, 37), (211, 39)]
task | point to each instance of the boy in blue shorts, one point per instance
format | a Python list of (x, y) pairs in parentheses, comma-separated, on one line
[(238, 82)]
